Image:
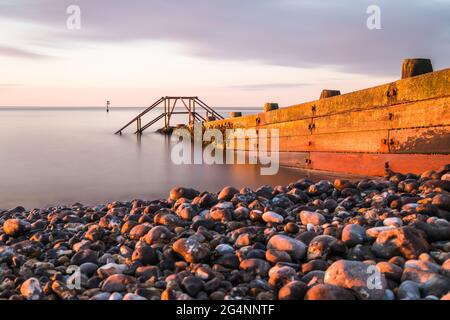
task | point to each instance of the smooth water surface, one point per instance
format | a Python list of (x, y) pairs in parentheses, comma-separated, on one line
[(67, 155)]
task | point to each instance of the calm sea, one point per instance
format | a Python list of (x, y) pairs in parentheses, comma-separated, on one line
[(52, 156)]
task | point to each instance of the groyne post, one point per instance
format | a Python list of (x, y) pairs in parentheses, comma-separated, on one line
[(138, 125), (270, 106), (326, 93), (415, 67)]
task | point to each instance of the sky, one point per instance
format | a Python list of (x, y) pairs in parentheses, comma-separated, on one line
[(234, 53)]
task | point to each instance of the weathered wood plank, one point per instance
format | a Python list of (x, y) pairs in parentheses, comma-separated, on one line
[(416, 114), (373, 164), (245, 121), (287, 129), (294, 159), (424, 87), (362, 141), (420, 140)]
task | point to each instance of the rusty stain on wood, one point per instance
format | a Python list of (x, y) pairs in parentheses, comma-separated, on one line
[(420, 140), (372, 164)]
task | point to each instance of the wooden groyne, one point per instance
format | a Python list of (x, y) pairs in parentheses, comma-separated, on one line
[(404, 125)]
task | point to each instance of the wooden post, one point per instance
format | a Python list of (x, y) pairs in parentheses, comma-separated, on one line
[(190, 111), (193, 114), (138, 124), (169, 113), (165, 112), (416, 67), (326, 93), (270, 106)]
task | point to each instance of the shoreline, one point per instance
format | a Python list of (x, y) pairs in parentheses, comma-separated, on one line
[(321, 240), (314, 175)]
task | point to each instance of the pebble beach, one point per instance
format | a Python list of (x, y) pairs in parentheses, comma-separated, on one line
[(381, 239)]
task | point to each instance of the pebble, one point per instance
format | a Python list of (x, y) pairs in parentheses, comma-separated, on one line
[(324, 247), (405, 241), (193, 285), (158, 234), (308, 240), (138, 231), (227, 193), (16, 227), (132, 296), (389, 295), (275, 256), (408, 290), (224, 248), (101, 296), (84, 256), (390, 270), (115, 296), (427, 275), (372, 233), (88, 268), (291, 228), (294, 290), (312, 265), (31, 289), (314, 218), (255, 266), (180, 192), (144, 254), (109, 269), (272, 217), (355, 275), (393, 222), (191, 250), (295, 248), (281, 275), (329, 292), (117, 282), (353, 234)]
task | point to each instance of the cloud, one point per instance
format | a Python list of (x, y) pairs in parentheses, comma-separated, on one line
[(267, 86), (20, 53), (9, 85), (292, 33)]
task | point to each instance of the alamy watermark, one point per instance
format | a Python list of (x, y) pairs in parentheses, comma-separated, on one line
[(73, 21), (74, 280), (233, 146), (374, 20), (374, 280)]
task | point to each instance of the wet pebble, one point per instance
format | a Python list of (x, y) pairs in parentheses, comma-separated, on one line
[(117, 282), (373, 239)]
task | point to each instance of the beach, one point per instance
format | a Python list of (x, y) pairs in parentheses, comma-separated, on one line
[(374, 239), (224, 158)]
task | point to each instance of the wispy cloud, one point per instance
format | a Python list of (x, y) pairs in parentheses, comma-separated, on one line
[(9, 85), (305, 34), (20, 53)]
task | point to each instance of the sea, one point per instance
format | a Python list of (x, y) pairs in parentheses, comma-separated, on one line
[(60, 156)]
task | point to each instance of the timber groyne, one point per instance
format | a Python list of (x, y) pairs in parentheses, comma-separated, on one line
[(403, 125)]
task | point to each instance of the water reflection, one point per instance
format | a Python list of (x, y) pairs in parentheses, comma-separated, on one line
[(67, 156)]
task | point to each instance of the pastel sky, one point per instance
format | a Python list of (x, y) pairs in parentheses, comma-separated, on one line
[(228, 52)]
